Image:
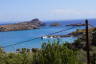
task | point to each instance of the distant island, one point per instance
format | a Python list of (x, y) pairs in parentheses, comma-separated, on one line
[(27, 25), (75, 25), (55, 24)]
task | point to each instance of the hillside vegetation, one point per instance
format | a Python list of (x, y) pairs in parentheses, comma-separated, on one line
[(53, 52)]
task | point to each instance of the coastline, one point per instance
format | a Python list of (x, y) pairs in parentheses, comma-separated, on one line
[(28, 25)]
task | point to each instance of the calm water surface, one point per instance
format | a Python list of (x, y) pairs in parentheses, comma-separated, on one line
[(7, 38)]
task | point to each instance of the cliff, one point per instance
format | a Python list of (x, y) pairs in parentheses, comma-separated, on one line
[(27, 25)]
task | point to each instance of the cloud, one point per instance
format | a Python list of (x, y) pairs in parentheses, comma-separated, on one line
[(65, 11), (73, 12)]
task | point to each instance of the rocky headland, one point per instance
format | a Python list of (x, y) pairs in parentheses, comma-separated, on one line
[(26, 25)]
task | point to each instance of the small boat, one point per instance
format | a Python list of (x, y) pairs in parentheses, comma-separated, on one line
[(43, 37), (51, 37), (56, 36)]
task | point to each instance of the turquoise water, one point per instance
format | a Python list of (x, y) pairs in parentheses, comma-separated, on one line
[(7, 38)]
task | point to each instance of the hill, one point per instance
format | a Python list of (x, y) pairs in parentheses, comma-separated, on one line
[(27, 25)]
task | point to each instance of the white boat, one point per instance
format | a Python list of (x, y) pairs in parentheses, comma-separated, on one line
[(44, 37), (51, 37)]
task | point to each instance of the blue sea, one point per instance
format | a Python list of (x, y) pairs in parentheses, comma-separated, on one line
[(12, 37)]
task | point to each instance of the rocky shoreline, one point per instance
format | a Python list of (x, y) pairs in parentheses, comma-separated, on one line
[(27, 25), (72, 34)]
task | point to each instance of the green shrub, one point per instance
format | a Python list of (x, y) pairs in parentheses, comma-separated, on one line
[(55, 53)]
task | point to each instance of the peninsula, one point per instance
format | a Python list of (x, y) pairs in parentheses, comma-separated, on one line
[(26, 25)]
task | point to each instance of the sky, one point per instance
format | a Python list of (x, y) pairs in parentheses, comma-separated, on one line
[(21, 10)]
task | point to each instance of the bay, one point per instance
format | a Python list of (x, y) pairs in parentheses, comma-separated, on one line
[(12, 37)]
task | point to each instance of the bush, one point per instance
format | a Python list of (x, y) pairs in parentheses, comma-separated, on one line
[(55, 53), (49, 53)]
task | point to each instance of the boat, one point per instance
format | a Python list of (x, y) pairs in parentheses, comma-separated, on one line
[(44, 37)]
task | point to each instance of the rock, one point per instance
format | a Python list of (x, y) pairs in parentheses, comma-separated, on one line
[(37, 22), (55, 24), (2, 28), (28, 25)]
